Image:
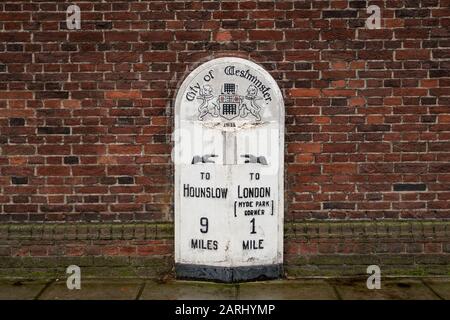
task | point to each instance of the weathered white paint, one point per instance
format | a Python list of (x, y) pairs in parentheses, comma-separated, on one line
[(202, 127)]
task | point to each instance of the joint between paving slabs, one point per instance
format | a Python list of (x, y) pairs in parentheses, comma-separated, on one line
[(141, 290), (236, 291), (43, 289), (431, 289), (336, 292)]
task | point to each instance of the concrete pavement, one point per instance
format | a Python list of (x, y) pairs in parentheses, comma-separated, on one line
[(145, 289)]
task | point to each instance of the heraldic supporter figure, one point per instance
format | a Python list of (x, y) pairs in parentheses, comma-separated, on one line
[(207, 106), (250, 104)]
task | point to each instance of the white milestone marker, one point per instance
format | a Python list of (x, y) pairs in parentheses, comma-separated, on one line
[(229, 156)]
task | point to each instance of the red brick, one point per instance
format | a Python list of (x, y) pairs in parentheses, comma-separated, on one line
[(16, 95), (157, 149), (340, 168), (223, 36), (339, 148), (88, 170), (54, 150), (122, 57), (53, 171), (192, 35), (121, 36), (156, 36), (304, 92), (122, 94), (94, 57), (89, 149), (302, 34), (304, 147), (81, 109), (416, 54), (124, 149), (17, 150), (159, 57), (85, 36), (265, 35)]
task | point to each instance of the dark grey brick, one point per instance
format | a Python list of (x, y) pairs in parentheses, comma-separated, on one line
[(410, 187), (125, 180), (19, 180), (71, 160), (16, 122), (53, 130)]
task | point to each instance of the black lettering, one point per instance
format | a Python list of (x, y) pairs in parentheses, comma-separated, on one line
[(193, 90), (253, 192), (253, 244), (231, 71), (204, 192), (204, 244)]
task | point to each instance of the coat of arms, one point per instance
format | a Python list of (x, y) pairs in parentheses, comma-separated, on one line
[(229, 104)]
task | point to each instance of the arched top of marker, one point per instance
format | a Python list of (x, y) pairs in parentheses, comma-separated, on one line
[(229, 90)]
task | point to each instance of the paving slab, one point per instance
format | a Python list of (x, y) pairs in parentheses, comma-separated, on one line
[(20, 290), (287, 290), (299, 289), (94, 290), (398, 289), (441, 286), (188, 290)]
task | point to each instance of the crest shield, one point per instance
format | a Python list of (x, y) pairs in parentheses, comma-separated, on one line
[(229, 101)]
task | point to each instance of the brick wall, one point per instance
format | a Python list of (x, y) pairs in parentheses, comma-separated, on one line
[(86, 115), (145, 249)]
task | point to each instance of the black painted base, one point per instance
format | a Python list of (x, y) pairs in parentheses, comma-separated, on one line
[(228, 274)]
